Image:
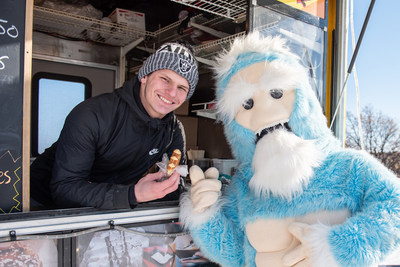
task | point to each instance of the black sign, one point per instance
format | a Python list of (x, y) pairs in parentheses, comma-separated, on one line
[(12, 46)]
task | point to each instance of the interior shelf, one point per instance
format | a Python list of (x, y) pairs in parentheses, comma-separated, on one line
[(67, 25), (234, 10), (207, 109)]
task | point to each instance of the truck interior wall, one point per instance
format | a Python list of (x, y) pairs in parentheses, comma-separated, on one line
[(204, 133), (211, 138), (102, 80)]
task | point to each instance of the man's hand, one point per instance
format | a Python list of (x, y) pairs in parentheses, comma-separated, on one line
[(205, 188), (149, 188)]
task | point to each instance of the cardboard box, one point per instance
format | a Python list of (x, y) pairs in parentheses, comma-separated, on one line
[(129, 18)]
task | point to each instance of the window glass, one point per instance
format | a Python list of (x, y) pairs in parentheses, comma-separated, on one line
[(54, 96), (56, 100), (304, 39)]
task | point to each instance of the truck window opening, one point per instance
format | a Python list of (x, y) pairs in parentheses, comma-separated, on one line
[(53, 97)]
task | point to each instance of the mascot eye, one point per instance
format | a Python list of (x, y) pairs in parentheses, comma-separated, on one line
[(276, 93), (248, 104)]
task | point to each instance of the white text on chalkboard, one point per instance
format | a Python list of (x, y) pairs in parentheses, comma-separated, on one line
[(11, 31), (2, 65)]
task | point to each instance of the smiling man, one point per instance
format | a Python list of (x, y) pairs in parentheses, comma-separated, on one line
[(162, 92), (109, 142)]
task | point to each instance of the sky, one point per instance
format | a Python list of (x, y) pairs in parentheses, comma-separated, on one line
[(378, 59)]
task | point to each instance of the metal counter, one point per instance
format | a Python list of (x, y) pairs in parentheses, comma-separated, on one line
[(38, 222)]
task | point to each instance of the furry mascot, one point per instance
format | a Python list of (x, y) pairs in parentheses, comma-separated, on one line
[(297, 198)]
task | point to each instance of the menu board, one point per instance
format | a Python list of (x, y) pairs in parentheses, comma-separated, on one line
[(12, 47)]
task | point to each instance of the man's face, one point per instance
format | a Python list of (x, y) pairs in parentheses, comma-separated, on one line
[(163, 91)]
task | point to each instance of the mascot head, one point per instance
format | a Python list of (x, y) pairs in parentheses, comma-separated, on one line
[(271, 116)]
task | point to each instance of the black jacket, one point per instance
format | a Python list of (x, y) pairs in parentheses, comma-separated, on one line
[(107, 144)]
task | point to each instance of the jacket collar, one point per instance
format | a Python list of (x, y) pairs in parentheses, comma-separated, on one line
[(130, 93)]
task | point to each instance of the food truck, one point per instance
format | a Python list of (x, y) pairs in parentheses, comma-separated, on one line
[(55, 54)]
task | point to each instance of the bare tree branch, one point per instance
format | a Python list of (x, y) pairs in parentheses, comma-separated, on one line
[(381, 136)]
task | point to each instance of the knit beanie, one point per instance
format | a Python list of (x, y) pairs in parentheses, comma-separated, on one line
[(175, 57)]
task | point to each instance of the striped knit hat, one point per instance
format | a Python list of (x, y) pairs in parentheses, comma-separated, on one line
[(176, 57)]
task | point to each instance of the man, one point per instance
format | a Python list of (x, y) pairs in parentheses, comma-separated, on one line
[(109, 142)]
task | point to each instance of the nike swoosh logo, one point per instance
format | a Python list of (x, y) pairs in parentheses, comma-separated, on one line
[(153, 151)]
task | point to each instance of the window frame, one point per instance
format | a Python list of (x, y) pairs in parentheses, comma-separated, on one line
[(35, 101)]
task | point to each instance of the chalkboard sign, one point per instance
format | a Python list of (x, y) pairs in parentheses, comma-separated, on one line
[(12, 48)]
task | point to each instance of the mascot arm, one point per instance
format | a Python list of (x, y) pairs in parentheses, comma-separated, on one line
[(373, 231), (214, 225), (368, 236), (221, 241), (200, 203), (313, 250)]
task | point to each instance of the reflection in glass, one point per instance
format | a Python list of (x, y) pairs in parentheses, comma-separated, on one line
[(304, 39), (29, 253), (150, 245)]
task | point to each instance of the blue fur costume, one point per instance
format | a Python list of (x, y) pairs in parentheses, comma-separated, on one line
[(346, 179)]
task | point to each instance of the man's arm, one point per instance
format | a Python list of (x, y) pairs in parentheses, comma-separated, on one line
[(74, 159), (71, 185)]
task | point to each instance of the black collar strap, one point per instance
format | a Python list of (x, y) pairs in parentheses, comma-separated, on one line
[(271, 129)]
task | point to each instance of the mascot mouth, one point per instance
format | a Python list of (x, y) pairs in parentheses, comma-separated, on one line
[(269, 129)]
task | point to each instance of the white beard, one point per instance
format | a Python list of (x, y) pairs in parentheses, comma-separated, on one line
[(283, 163)]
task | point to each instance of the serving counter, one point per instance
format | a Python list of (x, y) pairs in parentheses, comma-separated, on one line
[(149, 235)]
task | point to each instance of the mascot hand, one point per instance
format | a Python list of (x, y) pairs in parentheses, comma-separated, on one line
[(300, 255), (205, 188)]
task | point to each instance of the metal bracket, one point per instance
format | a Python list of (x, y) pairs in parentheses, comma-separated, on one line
[(13, 235), (111, 224)]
